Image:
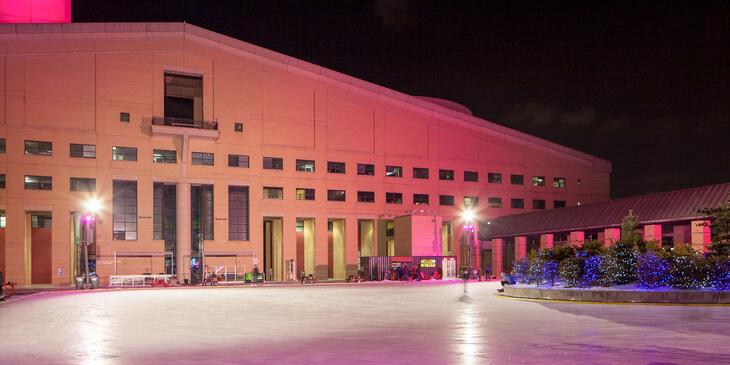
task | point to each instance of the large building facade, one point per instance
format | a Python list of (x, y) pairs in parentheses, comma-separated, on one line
[(206, 151)]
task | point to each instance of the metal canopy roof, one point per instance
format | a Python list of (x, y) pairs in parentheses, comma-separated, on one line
[(677, 205)]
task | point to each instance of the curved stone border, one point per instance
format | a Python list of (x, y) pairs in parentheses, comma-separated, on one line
[(621, 296)]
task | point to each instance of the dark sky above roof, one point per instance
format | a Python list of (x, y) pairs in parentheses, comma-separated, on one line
[(645, 86)]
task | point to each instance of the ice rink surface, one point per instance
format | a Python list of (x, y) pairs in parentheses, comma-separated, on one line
[(399, 323)]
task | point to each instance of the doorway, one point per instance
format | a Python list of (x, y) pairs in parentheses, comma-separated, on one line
[(40, 248)]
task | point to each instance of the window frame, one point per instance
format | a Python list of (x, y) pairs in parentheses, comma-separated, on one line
[(494, 178), (82, 148), (202, 158), (330, 196), (366, 169), (333, 167), (42, 182), (165, 156), (513, 179), (393, 171), (538, 181), (272, 163), (38, 148), (76, 184), (237, 158), (366, 197), (305, 194), (471, 176), (446, 175), (427, 200), (268, 190), (513, 204), (393, 198), (301, 165), (417, 173), (124, 151)]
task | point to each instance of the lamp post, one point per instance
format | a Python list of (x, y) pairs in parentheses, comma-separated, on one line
[(89, 219), (468, 217)]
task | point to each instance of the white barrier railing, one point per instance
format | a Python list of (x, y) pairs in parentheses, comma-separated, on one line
[(136, 280), (228, 274)]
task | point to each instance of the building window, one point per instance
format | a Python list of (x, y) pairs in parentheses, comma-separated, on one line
[(2, 145), (420, 173), (238, 213), (517, 179), (203, 158), (305, 194), (559, 204), (517, 203), (273, 192), (2, 219), (305, 165), (471, 176), (124, 153), (124, 117), (447, 200), (366, 197), (419, 199), (164, 156), (83, 184), (494, 178), (538, 204), (201, 216), (494, 202), (335, 167), (39, 148), (394, 198), (538, 181), (33, 182), (184, 98), (41, 221), (365, 169), (2, 181), (124, 210), (394, 171), (238, 161), (273, 163), (238, 127), (471, 202), (164, 216), (83, 150), (336, 195), (446, 175), (559, 182)]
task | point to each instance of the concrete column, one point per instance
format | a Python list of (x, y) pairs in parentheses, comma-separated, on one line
[(183, 231), (321, 247), (577, 238), (338, 249), (682, 234), (701, 235), (277, 248), (611, 236), (351, 257), (653, 232), (546, 241), (367, 237), (309, 252), (520, 247), (497, 247)]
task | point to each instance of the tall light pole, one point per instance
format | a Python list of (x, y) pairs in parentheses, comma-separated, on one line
[(468, 217), (89, 219)]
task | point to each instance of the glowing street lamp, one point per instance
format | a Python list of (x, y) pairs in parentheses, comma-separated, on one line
[(468, 217), (91, 206)]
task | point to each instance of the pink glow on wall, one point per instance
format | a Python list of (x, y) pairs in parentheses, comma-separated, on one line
[(35, 11)]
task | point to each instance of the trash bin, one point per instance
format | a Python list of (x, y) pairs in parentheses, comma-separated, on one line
[(79, 282), (248, 278), (94, 281)]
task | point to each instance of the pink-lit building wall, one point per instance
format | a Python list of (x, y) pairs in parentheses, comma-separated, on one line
[(35, 11)]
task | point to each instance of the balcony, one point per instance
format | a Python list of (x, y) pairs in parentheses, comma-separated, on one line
[(185, 127)]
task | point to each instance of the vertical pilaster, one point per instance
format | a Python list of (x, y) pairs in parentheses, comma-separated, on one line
[(520, 247), (497, 247), (577, 238), (701, 236), (611, 236), (182, 231), (546, 241), (653, 232), (309, 251)]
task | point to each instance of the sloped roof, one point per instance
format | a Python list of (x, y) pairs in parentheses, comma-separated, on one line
[(677, 205)]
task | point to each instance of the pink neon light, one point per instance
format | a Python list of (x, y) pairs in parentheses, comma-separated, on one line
[(35, 11)]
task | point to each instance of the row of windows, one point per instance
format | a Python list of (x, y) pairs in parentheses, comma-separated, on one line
[(277, 163)]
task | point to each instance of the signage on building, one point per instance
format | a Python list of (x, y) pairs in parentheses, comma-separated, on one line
[(428, 263)]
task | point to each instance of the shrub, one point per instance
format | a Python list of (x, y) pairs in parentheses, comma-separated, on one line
[(652, 271), (549, 272), (592, 272), (521, 271), (593, 247), (720, 273), (620, 264), (687, 268), (561, 253), (571, 271)]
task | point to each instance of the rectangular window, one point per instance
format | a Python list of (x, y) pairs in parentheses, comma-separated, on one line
[(335, 167), (336, 195), (538, 181), (238, 213), (366, 197), (39, 148), (517, 179), (184, 98), (164, 156), (124, 117), (124, 153), (2, 181), (83, 184), (446, 174), (83, 150), (365, 169), (33, 182), (238, 161), (164, 215), (559, 182), (538, 204), (494, 202), (394, 198), (273, 163), (238, 127), (2, 145), (559, 204), (273, 192), (420, 173), (41, 221), (2, 219), (471, 176), (494, 178), (419, 199), (201, 215), (305, 194), (447, 200), (517, 203), (203, 158), (394, 171), (305, 165), (124, 210), (471, 202)]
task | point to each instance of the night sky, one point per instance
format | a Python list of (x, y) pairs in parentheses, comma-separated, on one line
[(645, 86)]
